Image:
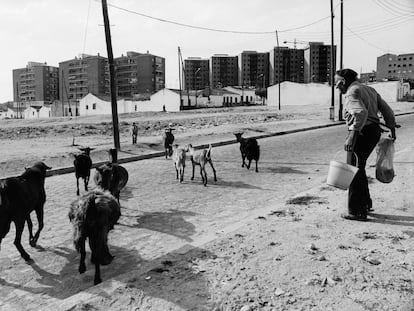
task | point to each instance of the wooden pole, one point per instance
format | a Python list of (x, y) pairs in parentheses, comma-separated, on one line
[(114, 106), (341, 64), (278, 64), (179, 78), (331, 110)]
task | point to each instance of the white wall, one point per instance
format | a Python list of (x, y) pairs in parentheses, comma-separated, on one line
[(45, 112), (166, 97), (30, 113), (387, 90), (300, 94)]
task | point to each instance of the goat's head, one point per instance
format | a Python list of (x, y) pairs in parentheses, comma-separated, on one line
[(104, 176), (86, 150), (189, 148), (37, 168), (238, 135)]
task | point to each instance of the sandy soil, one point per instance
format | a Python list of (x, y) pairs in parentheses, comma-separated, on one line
[(298, 256)]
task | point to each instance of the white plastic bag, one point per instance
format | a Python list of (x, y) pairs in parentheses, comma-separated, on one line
[(384, 169)]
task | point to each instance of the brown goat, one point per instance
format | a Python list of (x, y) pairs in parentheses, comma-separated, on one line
[(201, 158), (112, 177), (93, 215)]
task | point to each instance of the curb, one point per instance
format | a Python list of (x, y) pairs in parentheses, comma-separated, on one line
[(71, 169)]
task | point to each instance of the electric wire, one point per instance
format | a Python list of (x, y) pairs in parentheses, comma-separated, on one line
[(215, 29)]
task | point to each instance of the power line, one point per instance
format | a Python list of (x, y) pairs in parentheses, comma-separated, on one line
[(214, 29), (371, 44)]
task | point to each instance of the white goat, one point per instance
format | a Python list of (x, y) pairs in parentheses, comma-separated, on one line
[(201, 158), (178, 157)]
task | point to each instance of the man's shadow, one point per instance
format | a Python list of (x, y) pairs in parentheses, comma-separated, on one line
[(392, 219)]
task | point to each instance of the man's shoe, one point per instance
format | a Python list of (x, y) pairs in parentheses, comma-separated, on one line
[(354, 217)]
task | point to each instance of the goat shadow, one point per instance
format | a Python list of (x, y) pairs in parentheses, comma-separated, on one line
[(399, 220), (68, 281), (282, 170), (233, 184), (170, 222), (182, 262)]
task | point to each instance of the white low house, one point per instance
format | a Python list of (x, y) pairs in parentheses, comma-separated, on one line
[(7, 113), (94, 105), (35, 112), (245, 95)]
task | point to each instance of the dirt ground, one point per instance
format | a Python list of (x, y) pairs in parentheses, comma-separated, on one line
[(298, 255)]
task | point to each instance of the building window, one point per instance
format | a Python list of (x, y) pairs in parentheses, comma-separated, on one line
[(86, 107), (94, 106)]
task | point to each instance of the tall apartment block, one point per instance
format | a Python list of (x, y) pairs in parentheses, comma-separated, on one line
[(139, 73), (36, 82), (224, 70), (197, 73), (286, 64), (82, 75), (393, 67), (253, 69), (317, 65)]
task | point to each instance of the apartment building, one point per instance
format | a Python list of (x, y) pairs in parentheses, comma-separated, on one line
[(196, 73), (253, 69), (37, 82), (368, 77), (317, 62), (224, 70), (286, 64), (138, 73), (82, 75), (395, 67)]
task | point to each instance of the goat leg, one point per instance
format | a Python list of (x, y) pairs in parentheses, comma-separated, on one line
[(39, 214), (192, 176), (248, 165), (97, 278), (82, 267), (17, 240), (77, 186), (86, 181), (30, 227), (257, 170), (214, 170)]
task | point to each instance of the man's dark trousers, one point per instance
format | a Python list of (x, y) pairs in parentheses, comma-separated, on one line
[(358, 193)]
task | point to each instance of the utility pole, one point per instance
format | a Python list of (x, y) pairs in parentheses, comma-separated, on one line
[(179, 76), (278, 64), (332, 108), (111, 76), (341, 65), (196, 85)]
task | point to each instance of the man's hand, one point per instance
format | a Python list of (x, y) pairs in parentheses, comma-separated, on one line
[(350, 141)]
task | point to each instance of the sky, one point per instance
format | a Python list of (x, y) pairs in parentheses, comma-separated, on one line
[(53, 31)]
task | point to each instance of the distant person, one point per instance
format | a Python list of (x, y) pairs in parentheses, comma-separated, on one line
[(163, 108), (361, 106), (134, 133)]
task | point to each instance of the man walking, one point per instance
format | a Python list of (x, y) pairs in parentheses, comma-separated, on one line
[(134, 132), (362, 105)]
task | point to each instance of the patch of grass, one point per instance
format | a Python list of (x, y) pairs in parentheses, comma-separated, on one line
[(306, 200)]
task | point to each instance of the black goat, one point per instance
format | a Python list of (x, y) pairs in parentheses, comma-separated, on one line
[(83, 165), (112, 177), (249, 148), (93, 215), (168, 140), (19, 196)]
